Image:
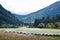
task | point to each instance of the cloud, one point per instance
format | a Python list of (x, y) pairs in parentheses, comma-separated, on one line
[(25, 5)]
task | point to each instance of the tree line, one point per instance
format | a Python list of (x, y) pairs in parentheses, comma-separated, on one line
[(47, 22)]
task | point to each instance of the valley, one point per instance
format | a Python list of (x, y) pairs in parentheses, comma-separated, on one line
[(43, 24)]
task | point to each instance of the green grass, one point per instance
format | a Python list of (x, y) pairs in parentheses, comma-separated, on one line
[(14, 36), (33, 30), (37, 30), (2, 31)]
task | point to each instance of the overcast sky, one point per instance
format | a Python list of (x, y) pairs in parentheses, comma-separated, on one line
[(24, 7)]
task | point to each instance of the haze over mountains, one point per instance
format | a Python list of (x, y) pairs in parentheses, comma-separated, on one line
[(51, 10), (6, 17)]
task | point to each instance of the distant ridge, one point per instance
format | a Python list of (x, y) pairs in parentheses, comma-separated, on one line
[(51, 10)]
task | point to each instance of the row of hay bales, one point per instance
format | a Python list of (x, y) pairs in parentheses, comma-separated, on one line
[(38, 34)]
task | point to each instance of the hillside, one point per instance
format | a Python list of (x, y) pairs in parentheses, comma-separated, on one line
[(51, 10), (6, 17), (19, 16)]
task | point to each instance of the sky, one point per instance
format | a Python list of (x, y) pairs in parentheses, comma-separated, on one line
[(23, 7)]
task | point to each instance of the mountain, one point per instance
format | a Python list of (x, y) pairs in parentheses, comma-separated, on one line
[(6, 17), (19, 16), (51, 10)]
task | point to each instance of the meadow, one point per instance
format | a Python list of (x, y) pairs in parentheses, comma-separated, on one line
[(16, 36)]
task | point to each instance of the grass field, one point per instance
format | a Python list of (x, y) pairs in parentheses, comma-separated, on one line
[(15, 36), (33, 30), (37, 30)]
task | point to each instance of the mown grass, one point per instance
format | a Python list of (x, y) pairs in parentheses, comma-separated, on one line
[(33, 30), (14, 36), (37, 30)]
